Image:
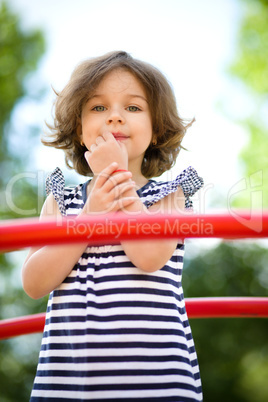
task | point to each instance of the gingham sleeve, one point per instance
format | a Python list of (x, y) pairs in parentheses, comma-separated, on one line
[(190, 183), (55, 184), (188, 180)]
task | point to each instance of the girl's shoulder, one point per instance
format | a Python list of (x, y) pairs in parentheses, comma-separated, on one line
[(66, 197), (73, 197), (188, 180)]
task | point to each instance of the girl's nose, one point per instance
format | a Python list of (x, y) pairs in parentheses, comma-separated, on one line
[(115, 116)]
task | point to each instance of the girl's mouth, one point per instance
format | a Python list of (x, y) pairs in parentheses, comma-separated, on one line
[(120, 136)]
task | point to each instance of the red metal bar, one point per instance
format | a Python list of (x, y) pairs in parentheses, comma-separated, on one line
[(227, 307), (29, 324), (113, 228), (219, 307), (107, 229)]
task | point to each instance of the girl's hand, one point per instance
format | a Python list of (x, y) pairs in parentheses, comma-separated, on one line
[(107, 193), (105, 151)]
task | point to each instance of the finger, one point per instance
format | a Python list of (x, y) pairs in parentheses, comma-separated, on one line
[(107, 135), (105, 174), (119, 205), (117, 179), (87, 156), (119, 190), (92, 147), (99, 140), (124, 202)]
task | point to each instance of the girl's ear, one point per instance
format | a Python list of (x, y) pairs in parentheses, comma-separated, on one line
[(154, 141)]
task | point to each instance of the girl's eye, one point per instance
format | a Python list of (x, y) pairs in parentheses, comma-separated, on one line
[(133, 108), (99, 108)]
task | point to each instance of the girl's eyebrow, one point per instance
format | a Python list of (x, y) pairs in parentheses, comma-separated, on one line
[(138, 96), (128, 96)]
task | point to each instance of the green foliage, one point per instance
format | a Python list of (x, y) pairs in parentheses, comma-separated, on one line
[(19, 356), (243, 355), (19, 55), (250, 66), (232, 353), (255, 161)]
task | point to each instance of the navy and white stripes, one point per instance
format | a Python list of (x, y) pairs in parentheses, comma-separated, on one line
[(116, 333)]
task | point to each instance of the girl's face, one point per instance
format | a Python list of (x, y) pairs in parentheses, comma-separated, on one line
[(119, 106)]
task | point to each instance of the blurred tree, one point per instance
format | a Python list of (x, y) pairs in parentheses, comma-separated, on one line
[(250, 68), (232, 353), (19, 55), (20, 52)]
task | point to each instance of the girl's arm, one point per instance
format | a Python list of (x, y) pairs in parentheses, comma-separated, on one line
[(46, 267), (151, 255)]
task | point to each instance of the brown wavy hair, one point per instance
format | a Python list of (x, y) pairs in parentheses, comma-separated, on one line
[(168, 128)]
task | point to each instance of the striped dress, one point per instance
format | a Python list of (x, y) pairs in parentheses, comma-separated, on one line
[(114, 332)]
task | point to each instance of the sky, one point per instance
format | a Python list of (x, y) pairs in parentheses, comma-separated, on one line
[(191, 41)]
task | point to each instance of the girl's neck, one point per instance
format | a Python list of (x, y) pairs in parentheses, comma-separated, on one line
[(138, 177), (140, 181)]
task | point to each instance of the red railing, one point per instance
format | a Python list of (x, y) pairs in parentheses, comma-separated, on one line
[(103, 229), (107, 229), (210, 307)]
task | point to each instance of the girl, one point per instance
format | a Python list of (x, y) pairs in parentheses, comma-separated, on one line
[(116, 326)]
